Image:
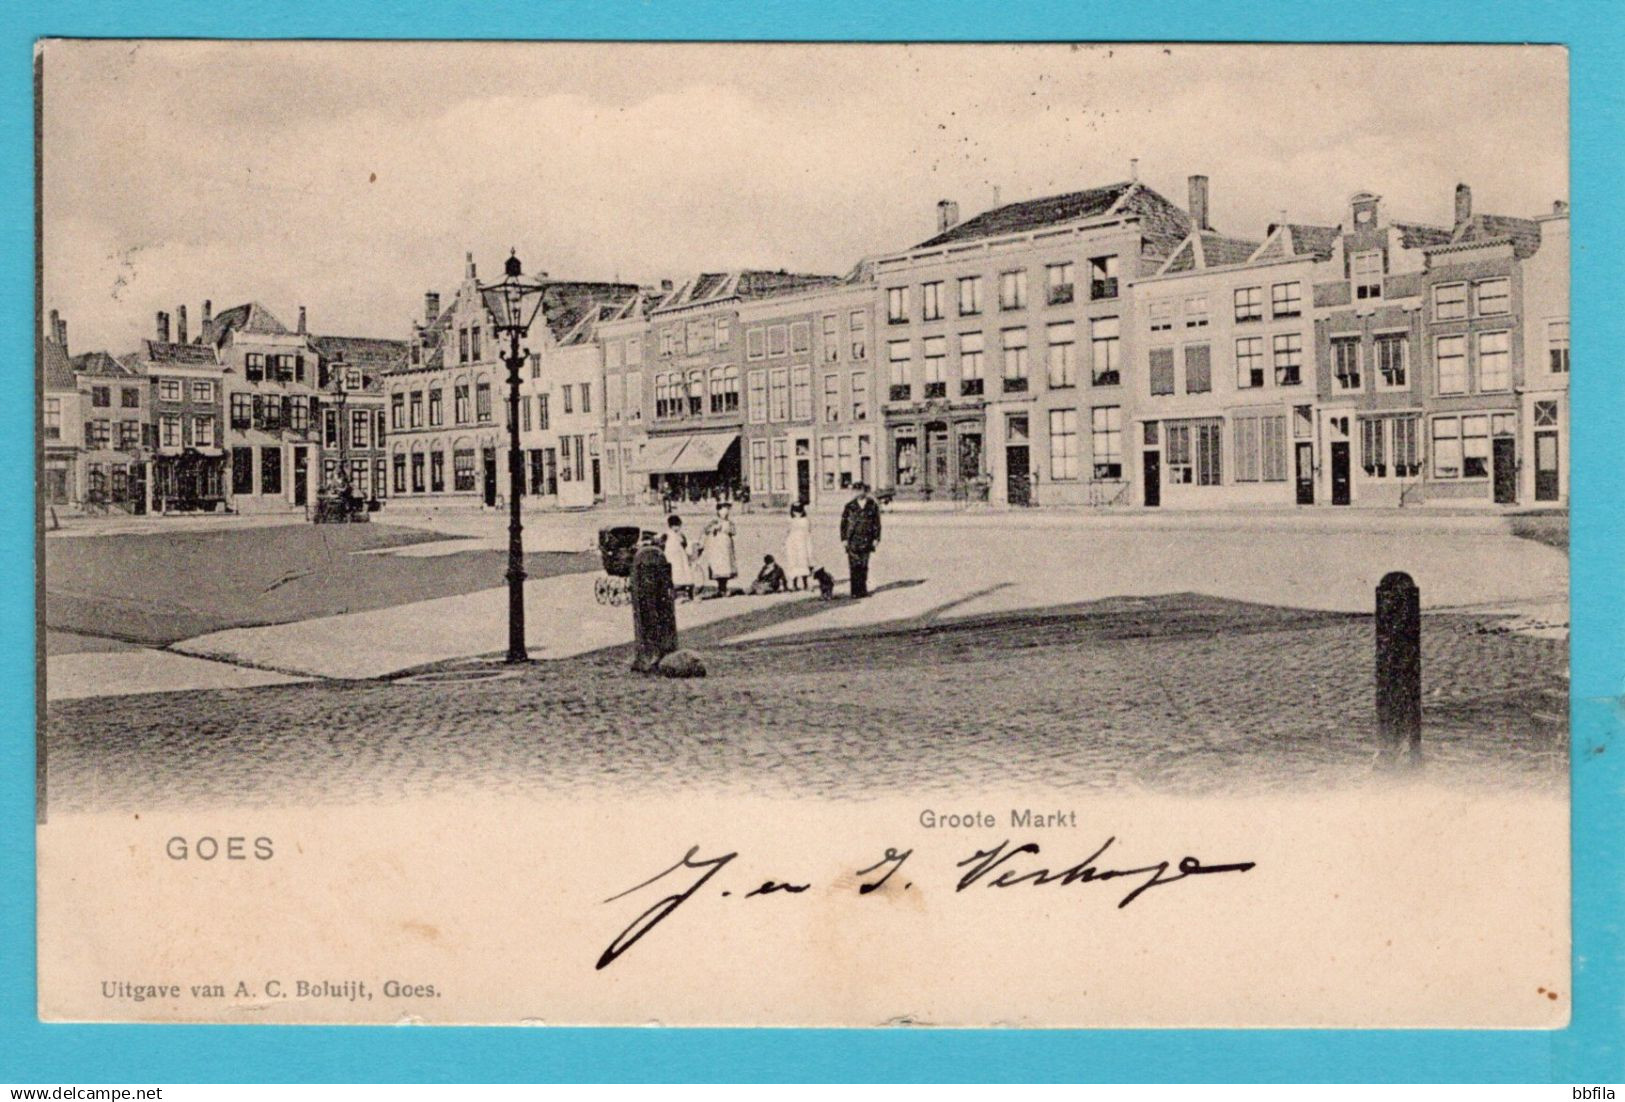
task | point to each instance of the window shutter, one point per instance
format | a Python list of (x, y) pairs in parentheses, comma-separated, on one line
[(299, 368), (287, 410), (259, 411), (1198, 369), (1162, 371)]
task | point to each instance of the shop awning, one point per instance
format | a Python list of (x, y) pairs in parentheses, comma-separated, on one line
[(658, 454), (701, 451)]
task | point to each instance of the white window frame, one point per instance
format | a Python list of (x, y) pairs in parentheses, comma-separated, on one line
[(931, 300), (1013, 289), (1371, 260), (1252, 308), (1504, 297), (897, 306), (1438, 363), (1339, 383), (1403, 337), (1557, 339), (1459, 309), (1293, 300), (1061, 354), (970, 287), (1064, 460), (1505, 382)]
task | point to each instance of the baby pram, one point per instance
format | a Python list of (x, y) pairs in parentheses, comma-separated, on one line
[(616, 546)]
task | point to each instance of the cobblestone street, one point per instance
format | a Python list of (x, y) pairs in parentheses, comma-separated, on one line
[(1181, 693)]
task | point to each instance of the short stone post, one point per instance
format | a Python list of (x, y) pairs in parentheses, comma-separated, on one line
[(654, 609), (1399, 669)]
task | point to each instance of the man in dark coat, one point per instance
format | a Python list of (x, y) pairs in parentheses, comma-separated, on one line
[(860, 532)]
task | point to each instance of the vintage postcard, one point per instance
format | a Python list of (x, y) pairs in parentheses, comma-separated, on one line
[(804, 535)]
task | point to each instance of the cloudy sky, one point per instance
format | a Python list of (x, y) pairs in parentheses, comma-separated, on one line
[(351, 178)]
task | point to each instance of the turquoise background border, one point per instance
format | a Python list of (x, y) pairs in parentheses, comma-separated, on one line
[(1590, 1050)]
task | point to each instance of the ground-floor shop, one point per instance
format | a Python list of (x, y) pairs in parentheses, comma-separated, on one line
[(938, 453), (1345, 454), (565, 473), (189, 481), (809, 464), (266, 476), (691, 467), (365, 473)]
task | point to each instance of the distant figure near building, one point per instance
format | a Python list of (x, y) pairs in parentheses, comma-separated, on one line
[(860, 532)]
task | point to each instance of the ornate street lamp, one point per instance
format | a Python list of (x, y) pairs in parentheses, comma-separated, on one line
[(340, 395), (513, 305)]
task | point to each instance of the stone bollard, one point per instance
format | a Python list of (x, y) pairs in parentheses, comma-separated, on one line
[(1399, 669), (654, 611)]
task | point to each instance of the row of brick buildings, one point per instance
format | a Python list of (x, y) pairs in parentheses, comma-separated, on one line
[(247, 415), (1110, 347), (1104, 347)]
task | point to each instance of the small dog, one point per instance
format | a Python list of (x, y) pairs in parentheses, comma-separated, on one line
[(826, 584)]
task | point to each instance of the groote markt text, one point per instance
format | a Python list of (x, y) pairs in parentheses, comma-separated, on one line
[(1002, 865)]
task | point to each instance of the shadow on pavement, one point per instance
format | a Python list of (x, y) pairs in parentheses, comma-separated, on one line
[(783, 612)]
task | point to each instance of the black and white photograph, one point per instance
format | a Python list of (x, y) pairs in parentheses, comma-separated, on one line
[(1037, 535)]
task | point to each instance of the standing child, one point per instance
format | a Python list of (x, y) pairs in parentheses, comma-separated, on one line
[(676, 549), (798, 548), (720, 560)]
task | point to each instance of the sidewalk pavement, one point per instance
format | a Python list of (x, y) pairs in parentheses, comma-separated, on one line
[(562, 619), (919, 577), (927, 570)]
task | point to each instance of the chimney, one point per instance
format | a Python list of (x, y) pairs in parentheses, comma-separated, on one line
[(1559, 207), (56, 327), (208, 313), (947, 214), (301, 321), (470, 271), (61, 332), (1464, 204), (180, 324), (163, 327), (431, 306), (665, 286), (1134, 169), (1198, 204)]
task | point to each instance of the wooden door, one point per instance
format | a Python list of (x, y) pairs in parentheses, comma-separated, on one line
[(1340, 472), (1017, 482), (1306, 472), (1504, 469), (1546, 479)]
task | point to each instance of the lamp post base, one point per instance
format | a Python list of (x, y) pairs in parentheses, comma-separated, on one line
[(517, 653)]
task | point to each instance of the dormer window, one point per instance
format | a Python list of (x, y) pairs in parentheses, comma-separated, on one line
[(1363, 209)]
